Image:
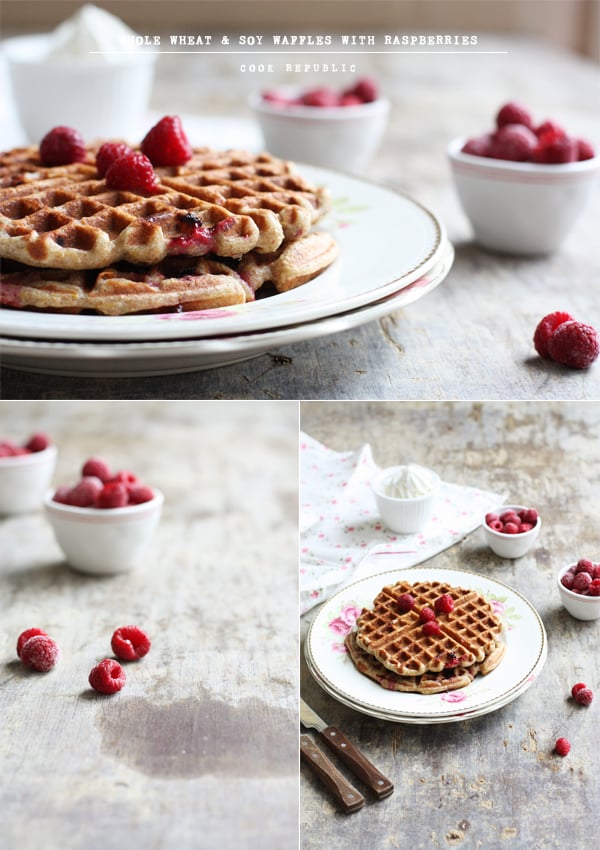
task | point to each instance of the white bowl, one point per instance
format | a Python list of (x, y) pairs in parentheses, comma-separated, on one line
[(510, 545), (100, 99), (24, 479), (341, 137), (104, 541), (521, 207), (578, 606), (405, 516)]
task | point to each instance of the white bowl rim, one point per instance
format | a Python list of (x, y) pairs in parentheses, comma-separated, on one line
[(570, 594), (9, 47), (127, 510), (500, 534), (455, 154), (29, 458), (256, 102), (436, 484)]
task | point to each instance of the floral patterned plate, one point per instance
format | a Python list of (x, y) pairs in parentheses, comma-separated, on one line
[(329, 663)]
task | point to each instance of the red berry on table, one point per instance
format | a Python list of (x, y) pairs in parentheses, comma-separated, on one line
[(478, 145), (584, 150), (574, 344), (545, 329), (112, 495), (514, 113), (132, 172), (584, 696), (37, 443), (562, 747), (405, 603), (130, 643), (40, 653), (513, 142), (554, 148), (24, 637), (62, 146), (98, 468), (577, 687), (108, 153), (166, 143), (107, 677), (444, 604)]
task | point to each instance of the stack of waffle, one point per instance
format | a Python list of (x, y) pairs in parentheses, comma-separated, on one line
[(217, 229), (389, 645)]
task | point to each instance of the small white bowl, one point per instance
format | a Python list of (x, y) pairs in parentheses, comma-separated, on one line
[(104, 541), (521, 207), (24, 479), (405, 516), (510, 545), (341, 137), (578, 606), (100, 99)]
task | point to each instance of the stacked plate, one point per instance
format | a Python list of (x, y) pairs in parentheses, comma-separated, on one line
[(393, 251), (524, 634)]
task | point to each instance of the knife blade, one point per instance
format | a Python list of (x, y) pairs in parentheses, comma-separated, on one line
[(346, 794), (381, 786)]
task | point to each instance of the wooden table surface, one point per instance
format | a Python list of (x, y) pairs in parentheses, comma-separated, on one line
[(200, 747), (470, 338), (491, 781)]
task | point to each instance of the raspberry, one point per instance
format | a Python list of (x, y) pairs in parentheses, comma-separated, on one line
[(112, 495), (97, 468), (513, 142), (132, 172), (584, 150), (37, 443), (444, 604), (567, 579), (61, 146), (574, 344), (108, 153), (365, 89), (278, 98), (594, 588), (426, 615), (431, 628), (562, 747), (584, 565), (405, 603), (62, 493), (85, 493), (581, 582), (320, 97), (8, 448), (350, 99), (40, 653), (554, 148), (596, 571), (24, 637), (140, 493), (584, 696), (491, 518), (496, 525), (545, 329), (511, 528), (166, 143), (530, 516), (510, 516), (130, 643), (124, 477), (549, 127), (478, 145), (513, 113), (524, 527), (107, 677), (579, 686)]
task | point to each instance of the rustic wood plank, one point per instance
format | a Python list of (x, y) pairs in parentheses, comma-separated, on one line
[(202, 743), (491, 781)]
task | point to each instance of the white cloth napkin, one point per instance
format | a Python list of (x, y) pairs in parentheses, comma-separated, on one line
[(341, 535)]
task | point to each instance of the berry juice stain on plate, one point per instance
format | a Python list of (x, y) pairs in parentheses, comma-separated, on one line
[(200, 736)]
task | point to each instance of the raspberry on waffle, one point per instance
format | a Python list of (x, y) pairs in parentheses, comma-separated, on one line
[(468, 633)]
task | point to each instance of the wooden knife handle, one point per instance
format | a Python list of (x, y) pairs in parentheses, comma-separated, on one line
[(346, 795), (359, 764)]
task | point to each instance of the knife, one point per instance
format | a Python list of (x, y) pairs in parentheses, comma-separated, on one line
[(346, 795), (356, 761)]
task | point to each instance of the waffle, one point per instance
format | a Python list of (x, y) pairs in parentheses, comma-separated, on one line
[(176, 282), (469, 633), (225, 204)]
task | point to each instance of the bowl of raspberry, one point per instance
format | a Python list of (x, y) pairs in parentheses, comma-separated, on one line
[(579, 589), (105, 521), (511, 530), (26, 469), (331, 128), (523, 185)]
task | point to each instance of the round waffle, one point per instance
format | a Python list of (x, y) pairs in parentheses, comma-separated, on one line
[(469, 633)]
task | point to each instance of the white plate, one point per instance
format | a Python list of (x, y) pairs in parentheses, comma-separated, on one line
[(109, 359), (524, 634), (386, 241)]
